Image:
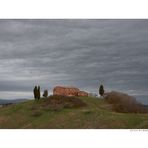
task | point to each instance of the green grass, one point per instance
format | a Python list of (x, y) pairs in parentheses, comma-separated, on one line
[(96, 115)]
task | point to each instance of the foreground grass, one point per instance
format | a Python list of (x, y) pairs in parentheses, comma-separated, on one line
[(96, 115)]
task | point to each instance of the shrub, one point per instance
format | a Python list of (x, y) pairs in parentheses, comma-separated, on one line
[(124, 103), (45, 94), (58, 102)]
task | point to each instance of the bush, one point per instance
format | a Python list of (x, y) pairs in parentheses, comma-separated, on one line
[(58, 102), (124, 103), (45, 94)]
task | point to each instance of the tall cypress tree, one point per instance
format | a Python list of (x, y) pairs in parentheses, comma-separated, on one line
[(38, 92), (101, 90), (35, 92)]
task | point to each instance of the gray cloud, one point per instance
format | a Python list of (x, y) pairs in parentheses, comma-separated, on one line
[(80, 53)]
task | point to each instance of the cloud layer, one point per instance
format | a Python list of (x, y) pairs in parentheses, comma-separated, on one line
[(81, 53)]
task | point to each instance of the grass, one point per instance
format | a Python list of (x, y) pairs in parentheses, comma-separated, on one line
[(95, 115)]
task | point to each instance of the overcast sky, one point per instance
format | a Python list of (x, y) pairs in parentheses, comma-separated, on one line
[(80, 53)]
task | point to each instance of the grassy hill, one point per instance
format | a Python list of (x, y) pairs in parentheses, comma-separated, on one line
[(95, 115)]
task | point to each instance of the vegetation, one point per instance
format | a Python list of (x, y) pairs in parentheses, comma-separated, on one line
[(64, 102), (76, 113), (45, 94), (124, 103), (101, 90), (36, 92)]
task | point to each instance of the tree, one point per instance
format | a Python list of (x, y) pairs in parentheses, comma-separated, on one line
[(35, 92), (38, 93), (101, 90), (45, 94)]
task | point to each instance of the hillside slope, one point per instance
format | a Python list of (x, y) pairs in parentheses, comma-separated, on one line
[(96, 115)]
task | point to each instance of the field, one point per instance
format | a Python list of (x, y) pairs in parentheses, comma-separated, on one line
[(95, 115)]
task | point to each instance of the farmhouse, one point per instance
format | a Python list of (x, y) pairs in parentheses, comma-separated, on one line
[(68, 91)]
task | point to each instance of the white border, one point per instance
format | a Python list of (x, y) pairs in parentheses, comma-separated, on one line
[(73, 9), (73, 138)]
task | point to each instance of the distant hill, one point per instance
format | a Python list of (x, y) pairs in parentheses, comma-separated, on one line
[(13, 101)]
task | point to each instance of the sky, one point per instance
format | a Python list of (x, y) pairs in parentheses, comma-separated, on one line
[(81, 53)]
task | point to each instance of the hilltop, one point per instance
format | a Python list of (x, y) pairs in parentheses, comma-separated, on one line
[(93, 114)]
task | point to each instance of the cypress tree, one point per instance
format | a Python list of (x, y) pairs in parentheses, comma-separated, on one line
[(35, 92), (38, 93), (101, 90)]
